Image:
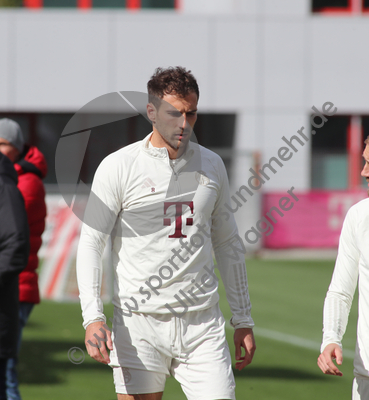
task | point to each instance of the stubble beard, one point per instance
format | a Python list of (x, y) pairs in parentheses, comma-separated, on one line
[(179, 144)]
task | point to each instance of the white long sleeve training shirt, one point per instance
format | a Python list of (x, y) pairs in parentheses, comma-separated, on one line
[(164, 217), (351, 269)]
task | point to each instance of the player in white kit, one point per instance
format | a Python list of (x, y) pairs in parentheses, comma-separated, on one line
[(160, 200), (351, 270)]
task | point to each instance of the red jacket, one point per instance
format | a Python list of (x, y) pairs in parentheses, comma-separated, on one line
[(31, 170)]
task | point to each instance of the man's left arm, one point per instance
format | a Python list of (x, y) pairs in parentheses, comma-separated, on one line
[(244, 338), (234, 277), (229, 253)]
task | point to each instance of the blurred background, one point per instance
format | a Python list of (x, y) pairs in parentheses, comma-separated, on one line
[(261, 66)]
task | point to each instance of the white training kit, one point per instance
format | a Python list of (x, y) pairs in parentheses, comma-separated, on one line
[(193, 349), (351, 269), (164, 218)]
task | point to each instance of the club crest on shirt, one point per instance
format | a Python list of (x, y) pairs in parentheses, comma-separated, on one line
[(202, 178)]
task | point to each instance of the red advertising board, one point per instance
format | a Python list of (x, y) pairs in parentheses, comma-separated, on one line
[(314, 221)]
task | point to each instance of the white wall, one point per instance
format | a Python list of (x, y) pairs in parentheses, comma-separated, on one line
[(340, 62), (269, 61)]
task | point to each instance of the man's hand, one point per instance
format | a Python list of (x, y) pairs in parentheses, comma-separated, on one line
[(244, 337), (97, 334), (325, 360)]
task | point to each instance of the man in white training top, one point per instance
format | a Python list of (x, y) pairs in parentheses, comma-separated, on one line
[(160, 200), (351, 269)]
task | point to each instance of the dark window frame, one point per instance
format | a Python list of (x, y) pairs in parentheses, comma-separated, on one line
[(339, 10)]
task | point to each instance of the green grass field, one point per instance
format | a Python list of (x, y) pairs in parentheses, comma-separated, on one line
[(287, 298)]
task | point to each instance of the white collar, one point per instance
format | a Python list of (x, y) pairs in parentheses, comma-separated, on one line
[(162, 152)]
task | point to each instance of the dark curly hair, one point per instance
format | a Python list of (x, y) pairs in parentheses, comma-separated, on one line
[(172, 80)]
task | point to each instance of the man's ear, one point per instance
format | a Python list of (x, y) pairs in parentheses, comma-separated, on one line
[(151, 112)]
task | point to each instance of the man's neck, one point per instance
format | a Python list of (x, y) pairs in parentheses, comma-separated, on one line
[(157, 141)]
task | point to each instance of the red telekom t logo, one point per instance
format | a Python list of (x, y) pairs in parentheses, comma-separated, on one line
[(189, 221)]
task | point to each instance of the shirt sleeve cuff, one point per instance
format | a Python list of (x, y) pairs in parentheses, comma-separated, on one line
[(249, 323), (91, 321)]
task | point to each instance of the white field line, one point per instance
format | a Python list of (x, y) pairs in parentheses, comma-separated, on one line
[(292, 339)]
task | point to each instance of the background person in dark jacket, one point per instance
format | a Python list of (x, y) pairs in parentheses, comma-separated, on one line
[(14, 249), (31, 168)]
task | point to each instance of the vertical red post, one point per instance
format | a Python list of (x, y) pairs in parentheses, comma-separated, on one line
[(33, 3), (84, 3), (133, 4), (178, 5), (354, 150), (355, 6)]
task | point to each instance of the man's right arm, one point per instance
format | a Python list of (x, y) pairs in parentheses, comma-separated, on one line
[(331, 352), (104, 204), (97, 334), (339, 297)]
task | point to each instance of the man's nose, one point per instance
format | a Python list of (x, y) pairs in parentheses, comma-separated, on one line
[(183, 121), (365, 171)]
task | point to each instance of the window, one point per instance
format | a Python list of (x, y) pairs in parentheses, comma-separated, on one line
[(215, 131), (337, 153), (339, 6), (330, 5), (60, 3)]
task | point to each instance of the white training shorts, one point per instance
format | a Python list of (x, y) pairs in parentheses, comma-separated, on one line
[(147, 348), (360, 389)]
